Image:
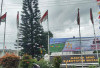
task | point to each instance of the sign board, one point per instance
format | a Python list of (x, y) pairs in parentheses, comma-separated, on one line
[(73, 44), (77, 58)]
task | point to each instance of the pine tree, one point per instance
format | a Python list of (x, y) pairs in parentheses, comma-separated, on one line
[(31, 32)]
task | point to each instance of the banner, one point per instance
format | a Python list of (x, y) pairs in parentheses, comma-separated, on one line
[(92, 58), (73, 44)]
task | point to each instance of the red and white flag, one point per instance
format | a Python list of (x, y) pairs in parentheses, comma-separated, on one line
[(44, 17), (91, 16), (17, 19), (3, 18)]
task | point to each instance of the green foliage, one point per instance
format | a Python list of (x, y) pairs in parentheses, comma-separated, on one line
[(21, 53), (32, 36), (92, 66), (56, 61), (9, 61), (44, 64), (96, 51), (27, 61), (73, 66), (31, 31), (99, 61)]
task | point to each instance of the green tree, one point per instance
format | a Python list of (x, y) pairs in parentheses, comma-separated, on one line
[(31, 32)]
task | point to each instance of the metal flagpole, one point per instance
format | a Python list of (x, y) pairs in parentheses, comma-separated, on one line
[(48, 34), (80, 45), (80, 38), (1, 10), (95, 41), (91, 17), (17, 33), (1, 6), (4, 37), (17, 41)]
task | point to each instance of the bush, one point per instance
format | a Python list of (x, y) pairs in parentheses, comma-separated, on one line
[(27, 61), (56, 61), (73, 66), (92, 66), (44, 64), (10, 61), (99, 61)]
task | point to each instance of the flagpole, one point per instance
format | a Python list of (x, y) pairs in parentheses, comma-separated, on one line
[(48, 34), (80, 36), (17, 33), (4, 37), (95, 40), (17, 41), (1, 10), (80, 45), (1, 6), (91, 17)]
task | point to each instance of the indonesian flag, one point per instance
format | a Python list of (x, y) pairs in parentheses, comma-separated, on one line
[(17, 19), (78, 18), (3, 18), (44, 17), (91, 16)]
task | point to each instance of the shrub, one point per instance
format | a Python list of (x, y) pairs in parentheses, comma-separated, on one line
[(73, 66), (44, 64), (27, 61), (56, 61), (92, 66), (99, 61), (10, 61)]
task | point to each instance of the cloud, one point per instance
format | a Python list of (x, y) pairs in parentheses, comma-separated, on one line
[(63, 14), (11, 7), (62, 18)]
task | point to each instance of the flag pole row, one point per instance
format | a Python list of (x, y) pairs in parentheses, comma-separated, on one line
[(45, 17), (3, 19)]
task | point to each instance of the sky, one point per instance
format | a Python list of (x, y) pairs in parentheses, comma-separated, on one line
[(62, 18)]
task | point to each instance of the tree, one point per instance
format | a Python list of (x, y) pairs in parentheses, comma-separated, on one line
[(31, 32)]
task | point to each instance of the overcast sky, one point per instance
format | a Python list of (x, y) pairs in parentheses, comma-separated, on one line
[(62, 18)]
